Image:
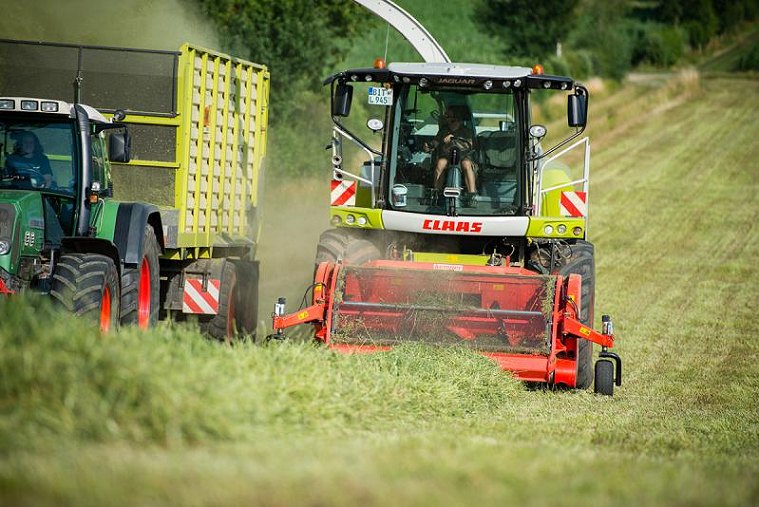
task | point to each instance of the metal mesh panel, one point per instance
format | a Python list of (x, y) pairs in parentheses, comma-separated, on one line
[(153, 142), (496, 313), (132, 80), (37, 71), (112, 78)]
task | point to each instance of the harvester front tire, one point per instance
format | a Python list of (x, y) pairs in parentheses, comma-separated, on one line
[(582, 262), (604, 383), (341, 243), (140, 286), (223, 325), (87, 285)]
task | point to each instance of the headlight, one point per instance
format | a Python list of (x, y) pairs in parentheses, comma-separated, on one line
[(5, 247)]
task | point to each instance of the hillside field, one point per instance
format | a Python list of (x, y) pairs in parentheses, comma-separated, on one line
[(166, 418)]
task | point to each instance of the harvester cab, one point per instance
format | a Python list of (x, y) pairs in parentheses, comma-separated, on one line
[(459, 220)]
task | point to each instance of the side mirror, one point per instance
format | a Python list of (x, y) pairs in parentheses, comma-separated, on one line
[(577, 110), (341, 103), (119, 147)]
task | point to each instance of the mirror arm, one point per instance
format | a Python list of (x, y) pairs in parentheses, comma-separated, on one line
[(554, 148), (354, 137)]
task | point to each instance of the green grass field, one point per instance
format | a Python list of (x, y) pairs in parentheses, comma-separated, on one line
[(166, 418)]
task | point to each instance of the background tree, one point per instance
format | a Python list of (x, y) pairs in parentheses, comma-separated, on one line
[(296, 39), (529, 29)]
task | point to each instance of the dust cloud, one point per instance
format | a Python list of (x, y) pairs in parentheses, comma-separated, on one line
[(296, 212), (144, 24)]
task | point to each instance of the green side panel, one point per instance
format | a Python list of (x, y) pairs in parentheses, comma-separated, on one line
[(356, 217), (551, 178), (22, 224), (363, 196), (444, 258), (103, 218)]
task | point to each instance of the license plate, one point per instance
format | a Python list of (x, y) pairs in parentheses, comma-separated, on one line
[(380, 96)]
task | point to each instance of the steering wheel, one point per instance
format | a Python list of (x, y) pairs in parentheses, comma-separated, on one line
[(35, 178)]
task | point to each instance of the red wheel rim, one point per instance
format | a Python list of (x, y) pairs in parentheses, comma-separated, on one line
[(105, 311), (143, 296)]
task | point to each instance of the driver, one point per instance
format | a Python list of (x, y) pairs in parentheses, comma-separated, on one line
[(29, 156), (454, 134)]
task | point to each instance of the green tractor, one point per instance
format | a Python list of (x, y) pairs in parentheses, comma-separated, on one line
[(57, 234)]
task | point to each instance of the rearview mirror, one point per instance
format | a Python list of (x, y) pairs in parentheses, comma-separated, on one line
[(577, 110), (119, 147), (341, 104)]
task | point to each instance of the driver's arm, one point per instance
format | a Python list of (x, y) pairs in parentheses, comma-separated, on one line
[(46, 171)]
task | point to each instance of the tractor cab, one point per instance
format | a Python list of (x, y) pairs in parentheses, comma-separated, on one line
[(447, 139), (53, 166)]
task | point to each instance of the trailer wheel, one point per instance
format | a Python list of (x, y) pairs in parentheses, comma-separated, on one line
[(141, 285), (604, 378), (341, 243), (582, 262), (247, 298), (223, 325), (87, 285)]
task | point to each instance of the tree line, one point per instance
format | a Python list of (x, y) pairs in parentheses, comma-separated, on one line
[(300, 39)]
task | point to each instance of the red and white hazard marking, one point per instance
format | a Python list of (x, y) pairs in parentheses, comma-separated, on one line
[(343, 193), (574, 204), (197, 300)]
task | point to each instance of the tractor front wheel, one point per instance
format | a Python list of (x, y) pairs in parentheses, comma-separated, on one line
[(87, 285)]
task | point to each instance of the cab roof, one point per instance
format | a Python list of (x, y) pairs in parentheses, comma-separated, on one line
[(454, 74)]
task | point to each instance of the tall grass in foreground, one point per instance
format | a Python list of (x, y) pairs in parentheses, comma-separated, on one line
[(62, 381)]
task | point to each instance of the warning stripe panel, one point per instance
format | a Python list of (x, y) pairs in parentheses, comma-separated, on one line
[(574, 204), (343, 193), (197, 300)]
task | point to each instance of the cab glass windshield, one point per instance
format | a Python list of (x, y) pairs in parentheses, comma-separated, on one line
[(456, 150), (37, 155)]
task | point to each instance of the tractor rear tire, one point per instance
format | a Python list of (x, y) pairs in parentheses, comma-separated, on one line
[(343, 244), (604, 378), (87, 285), (582, 262), (140, 286), (223, 325)]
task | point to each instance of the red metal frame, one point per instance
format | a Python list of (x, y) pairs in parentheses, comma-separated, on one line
[(4, 288), (379, 302)]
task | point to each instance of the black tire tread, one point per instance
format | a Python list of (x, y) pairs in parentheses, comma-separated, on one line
[(216, 326), (247, 298), (343, 244), (604, 383), (79, 281), (582, 262)]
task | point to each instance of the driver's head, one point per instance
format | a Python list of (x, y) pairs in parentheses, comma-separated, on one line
[(28, 144), (454, 115)]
